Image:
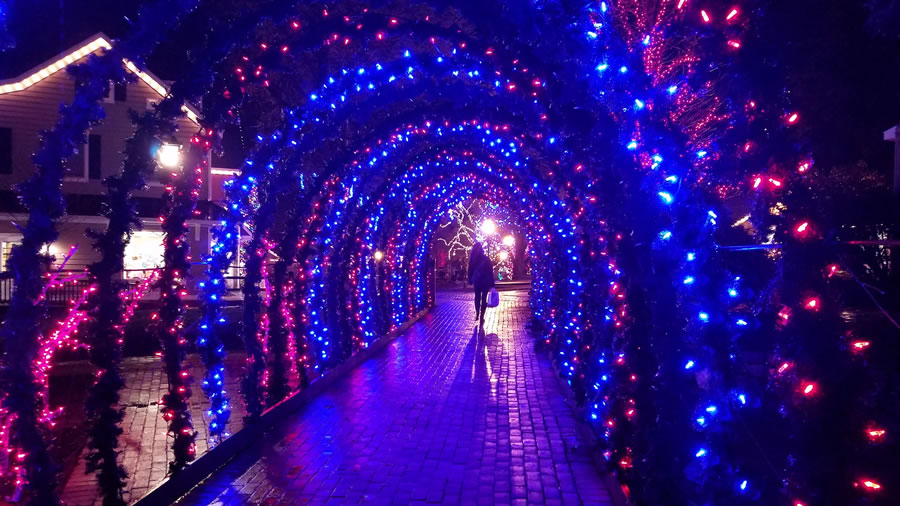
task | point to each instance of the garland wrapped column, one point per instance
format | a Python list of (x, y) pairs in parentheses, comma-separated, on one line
[(211, 349), (181, 199), (252, 384), (254, 381), (42, 196), (108, 316), (280, 335)]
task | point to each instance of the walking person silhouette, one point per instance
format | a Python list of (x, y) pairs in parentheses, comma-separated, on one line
[(481, 276)]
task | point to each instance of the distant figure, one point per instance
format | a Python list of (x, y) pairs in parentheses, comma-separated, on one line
[(456, 268), (481, 276)]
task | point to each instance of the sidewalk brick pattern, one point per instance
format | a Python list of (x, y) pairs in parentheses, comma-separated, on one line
[(444, 415), (145, 448)]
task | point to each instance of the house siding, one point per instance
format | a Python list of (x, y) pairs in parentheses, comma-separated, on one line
[(36, 108)]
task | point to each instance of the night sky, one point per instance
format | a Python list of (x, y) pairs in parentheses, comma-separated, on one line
[(844, 75)]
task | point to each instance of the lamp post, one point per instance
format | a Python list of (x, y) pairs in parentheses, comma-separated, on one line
[(169, 156), (488, 227), (180, 200)]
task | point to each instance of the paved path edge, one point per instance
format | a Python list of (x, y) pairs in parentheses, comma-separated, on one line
[(616, 494), (178, 485)]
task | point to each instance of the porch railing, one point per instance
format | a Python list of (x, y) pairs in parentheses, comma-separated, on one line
[(69, 284)]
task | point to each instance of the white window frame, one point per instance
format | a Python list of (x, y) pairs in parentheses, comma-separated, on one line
[(110, 97), (85, 150), (7, 238)]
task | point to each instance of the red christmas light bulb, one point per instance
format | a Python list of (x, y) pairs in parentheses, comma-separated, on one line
[(802, 230), (875, 433), (859, 346), (808, 388), (867, 484)]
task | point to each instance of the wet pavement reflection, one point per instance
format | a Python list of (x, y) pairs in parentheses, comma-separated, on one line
[(447, 413)]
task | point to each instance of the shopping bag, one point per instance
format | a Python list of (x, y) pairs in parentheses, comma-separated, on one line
[(493, 299)]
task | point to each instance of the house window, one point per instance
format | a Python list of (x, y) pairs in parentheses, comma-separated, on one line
[(143, 253), (120, 92), (5, 250), (94, 152), (110, 94), (5, 150)]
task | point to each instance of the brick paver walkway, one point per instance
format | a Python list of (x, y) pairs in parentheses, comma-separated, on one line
[(146, 451), (443, 415)]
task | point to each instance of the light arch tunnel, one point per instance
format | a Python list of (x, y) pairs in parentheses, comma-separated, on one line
[(397, 130), (370, 128), (443, 127), (390, 199)]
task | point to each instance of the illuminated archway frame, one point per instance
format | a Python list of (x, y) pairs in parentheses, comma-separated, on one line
[(360, 178), (412, 298), (341, 211), (658, 180), (256, 162), (451, 164), (387, 235), (685, 234), (654, 163), (251, 270), (251, 301)]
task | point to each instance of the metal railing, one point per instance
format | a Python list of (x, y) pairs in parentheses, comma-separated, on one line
[(67, 285), (60, 292), (70, 283)]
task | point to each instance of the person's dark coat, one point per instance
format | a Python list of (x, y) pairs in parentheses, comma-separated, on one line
[(481, 270)]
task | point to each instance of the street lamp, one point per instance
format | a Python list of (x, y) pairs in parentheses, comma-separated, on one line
[(169, 156), (378, 255), (488, 227)]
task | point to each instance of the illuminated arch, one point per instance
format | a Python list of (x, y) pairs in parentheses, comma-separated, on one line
[(613, 185), (576, 178)]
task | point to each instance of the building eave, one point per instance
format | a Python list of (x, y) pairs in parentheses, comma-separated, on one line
[(89, 46)]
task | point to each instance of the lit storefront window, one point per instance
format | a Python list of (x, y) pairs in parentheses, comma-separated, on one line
[(144, 252)]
